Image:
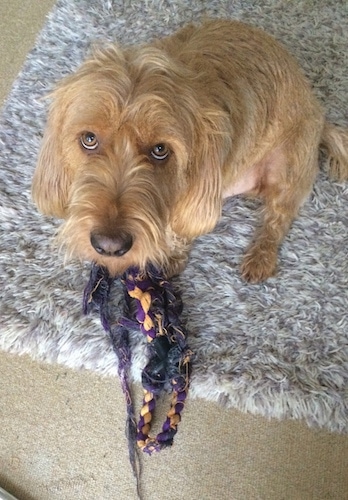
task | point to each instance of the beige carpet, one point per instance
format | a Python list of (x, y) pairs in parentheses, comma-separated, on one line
[(62, 432), (62, 438)]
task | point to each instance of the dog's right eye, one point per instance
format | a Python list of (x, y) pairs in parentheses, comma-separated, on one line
[(160, 152), (89, 141)]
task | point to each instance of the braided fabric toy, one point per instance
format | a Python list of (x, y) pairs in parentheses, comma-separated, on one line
[(149, 301)]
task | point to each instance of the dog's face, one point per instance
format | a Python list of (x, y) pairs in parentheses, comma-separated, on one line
[(130, 161)]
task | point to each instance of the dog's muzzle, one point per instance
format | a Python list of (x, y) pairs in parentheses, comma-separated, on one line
[(112, 245)]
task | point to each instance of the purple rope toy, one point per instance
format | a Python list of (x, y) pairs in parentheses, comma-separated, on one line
[(149, 301)]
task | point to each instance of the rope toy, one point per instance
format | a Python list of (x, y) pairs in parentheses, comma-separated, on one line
[(149, 301)]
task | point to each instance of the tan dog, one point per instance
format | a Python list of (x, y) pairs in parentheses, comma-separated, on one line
[(143, 144)]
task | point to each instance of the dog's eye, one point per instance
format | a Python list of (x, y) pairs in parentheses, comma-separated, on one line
[(89, 141), (160, 152)]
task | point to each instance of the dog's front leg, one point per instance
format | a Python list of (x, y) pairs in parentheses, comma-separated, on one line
[(260, 260), (286, 180)]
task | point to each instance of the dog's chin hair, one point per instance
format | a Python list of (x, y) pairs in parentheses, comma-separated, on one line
[(150, 246)]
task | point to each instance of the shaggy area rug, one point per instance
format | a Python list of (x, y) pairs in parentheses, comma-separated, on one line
[(279, 349)]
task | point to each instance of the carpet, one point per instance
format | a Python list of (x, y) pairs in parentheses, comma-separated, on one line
[(279, 349)]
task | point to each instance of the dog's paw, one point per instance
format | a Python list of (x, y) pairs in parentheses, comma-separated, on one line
[(259, 263)]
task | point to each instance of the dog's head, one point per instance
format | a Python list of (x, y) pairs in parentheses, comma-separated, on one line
[(131, 159)]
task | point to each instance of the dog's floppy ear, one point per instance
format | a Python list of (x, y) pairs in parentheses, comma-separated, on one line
[(199, 208), (52, 177)]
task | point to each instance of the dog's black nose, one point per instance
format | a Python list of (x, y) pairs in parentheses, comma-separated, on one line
[(113, 246)]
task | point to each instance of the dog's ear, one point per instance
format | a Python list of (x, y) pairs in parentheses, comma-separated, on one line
[(199, 207), (52, 177)]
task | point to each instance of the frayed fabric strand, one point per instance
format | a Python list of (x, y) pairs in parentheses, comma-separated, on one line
[(150, 303)]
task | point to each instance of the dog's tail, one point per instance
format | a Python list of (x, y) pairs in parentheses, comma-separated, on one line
[(335, 142)]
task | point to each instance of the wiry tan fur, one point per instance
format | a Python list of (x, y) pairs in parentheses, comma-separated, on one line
[(237, 116)]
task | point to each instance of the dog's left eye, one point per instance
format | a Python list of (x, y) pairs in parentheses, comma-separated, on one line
[(160, 152), (89, 141)]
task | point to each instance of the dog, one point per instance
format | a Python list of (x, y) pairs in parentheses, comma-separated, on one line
[(143, 144)]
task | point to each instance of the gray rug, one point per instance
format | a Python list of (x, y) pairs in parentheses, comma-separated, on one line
[(279, 349)]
